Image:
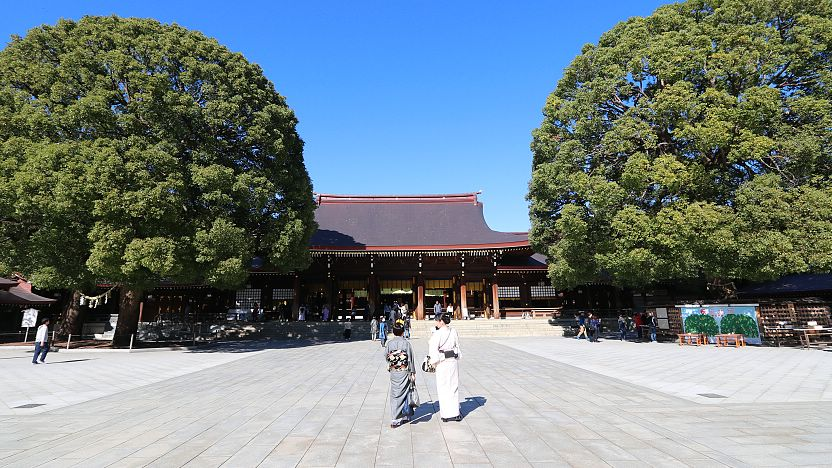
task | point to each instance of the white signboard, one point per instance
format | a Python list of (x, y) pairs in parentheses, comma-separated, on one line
[(30, 318)]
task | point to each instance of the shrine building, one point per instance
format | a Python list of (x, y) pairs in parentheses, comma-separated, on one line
[(414, 249)]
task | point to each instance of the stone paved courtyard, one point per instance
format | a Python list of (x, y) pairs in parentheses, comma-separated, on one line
[(528, 402)]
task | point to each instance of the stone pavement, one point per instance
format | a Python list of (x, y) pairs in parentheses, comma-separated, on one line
[(528, 402)]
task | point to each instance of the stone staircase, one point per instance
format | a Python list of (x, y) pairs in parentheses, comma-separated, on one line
[(313, 330), (419, 329), (492, 328)]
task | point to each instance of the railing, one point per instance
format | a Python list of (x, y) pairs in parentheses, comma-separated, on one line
[(530, 312)]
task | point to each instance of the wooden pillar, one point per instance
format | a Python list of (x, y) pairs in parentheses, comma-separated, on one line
[(330, 297), (463, 298), (296, 298), (420, 299), (495, 298)]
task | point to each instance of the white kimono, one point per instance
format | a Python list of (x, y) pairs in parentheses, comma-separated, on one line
[(447, 370)]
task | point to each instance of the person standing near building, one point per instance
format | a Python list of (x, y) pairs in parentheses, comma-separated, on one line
[(595, 327), (402, 375), (437, 310), (654, 323), (443, 349), (373, 329), (622, 327), (382, 331), (638, 321), (394, 313), (348, 329), (41, 342), (325, 313)]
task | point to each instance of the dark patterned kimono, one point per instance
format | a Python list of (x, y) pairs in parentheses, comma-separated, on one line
[(400, 364)]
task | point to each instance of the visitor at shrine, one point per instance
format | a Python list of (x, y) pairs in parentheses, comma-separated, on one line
[(581, 317), (443, 349), (325, 313), (382, 331), (373, 329), (348, 329), (437, 309), (654, 323), (594, 327), (638, 321), (402, 375), (622, 327), (41, 342)]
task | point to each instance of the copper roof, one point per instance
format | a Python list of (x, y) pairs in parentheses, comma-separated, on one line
[(17, 295), (413, 222)]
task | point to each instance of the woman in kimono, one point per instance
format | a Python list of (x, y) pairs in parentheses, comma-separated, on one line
[(402, 375), (443, 349)]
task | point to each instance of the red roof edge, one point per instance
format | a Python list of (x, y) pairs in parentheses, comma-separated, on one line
[(331, 199)]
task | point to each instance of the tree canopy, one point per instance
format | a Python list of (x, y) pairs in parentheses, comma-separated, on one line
[(133, 151), (692, 143)]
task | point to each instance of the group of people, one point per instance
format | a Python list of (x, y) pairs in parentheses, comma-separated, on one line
[(380, 327), (443, 355), (589, 326)]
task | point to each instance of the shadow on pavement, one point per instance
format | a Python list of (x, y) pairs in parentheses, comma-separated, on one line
[(260, 345), (68, 360), (425, 411)]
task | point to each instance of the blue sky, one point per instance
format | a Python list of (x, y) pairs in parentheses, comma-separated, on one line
[(392, 96)]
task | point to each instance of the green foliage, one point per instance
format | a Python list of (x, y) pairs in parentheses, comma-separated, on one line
[(693, 143), (743, 324), (701, 323), (136, 151)]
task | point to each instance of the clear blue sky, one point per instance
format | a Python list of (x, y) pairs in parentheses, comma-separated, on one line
[(393, 96)]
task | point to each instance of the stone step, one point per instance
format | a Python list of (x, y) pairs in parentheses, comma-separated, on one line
[(419, 329)]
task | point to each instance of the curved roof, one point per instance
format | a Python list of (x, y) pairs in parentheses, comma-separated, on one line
[(18, 295), (406, 222)]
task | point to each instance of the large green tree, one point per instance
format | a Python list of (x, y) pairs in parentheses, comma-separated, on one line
[(133, 151), (692, 143)]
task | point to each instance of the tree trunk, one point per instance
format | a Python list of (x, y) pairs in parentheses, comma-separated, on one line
[(70, 322), (128, 315)]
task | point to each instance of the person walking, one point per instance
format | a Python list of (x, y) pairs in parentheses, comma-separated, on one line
[(373, 329), (407, 327), (622, 327), (382, 331), (402, 375), (41, 342), (582, 327), (437, 309), (443, 350)]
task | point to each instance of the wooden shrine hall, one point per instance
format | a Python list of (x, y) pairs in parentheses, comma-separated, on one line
[(370, 251), (415, 249)]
